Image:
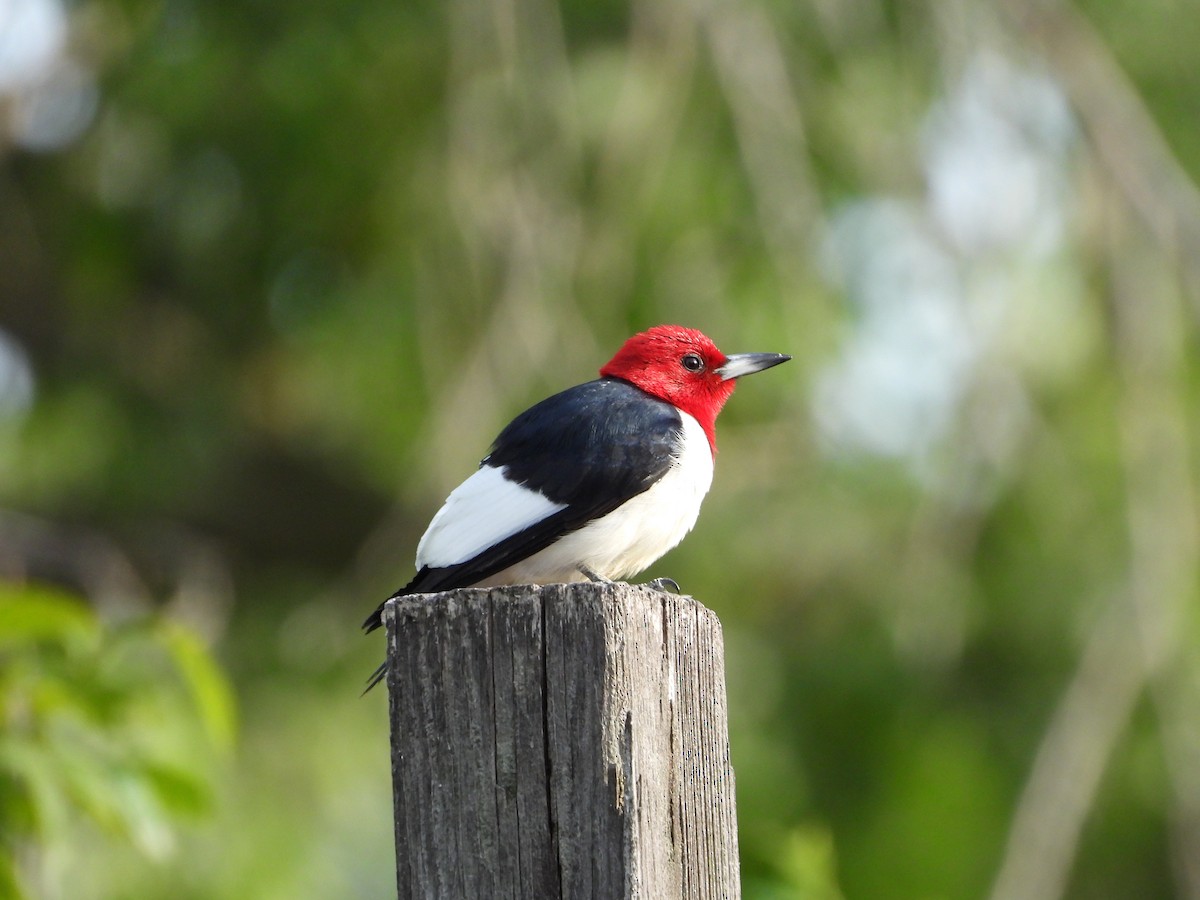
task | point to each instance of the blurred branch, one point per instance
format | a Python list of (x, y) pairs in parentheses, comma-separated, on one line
[(84, 561), (92, 564), (1070, 761), (649, 113), (770, 130), (1124, 135), (1152, 337)]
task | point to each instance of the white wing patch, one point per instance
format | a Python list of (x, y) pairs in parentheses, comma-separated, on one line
[(482, 511)]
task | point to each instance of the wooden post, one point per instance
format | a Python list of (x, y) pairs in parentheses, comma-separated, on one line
[(564, 741)]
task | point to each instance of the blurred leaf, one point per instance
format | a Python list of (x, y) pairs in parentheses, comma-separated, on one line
[(809, 864), (209, 688), (41, 613), (36, 802), (99, 734), (178, 789), (8, 879)]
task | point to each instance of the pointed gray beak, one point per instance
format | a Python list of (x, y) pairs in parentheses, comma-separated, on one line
[(748, 363)]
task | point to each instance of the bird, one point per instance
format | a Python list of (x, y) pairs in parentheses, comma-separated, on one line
[(596, 482)]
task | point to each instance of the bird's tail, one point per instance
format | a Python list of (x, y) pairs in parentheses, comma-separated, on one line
[(376, 677), (375, 619), (421, 582), (426, 579)]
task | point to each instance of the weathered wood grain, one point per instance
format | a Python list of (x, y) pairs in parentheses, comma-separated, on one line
[(565, 741)]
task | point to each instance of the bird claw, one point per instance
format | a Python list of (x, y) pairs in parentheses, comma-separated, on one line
[(667, 585), (593, 577)]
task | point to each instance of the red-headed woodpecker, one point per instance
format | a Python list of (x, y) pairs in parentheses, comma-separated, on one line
[(596, 482)]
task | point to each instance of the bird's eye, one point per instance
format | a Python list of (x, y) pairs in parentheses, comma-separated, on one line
[(693, 363)]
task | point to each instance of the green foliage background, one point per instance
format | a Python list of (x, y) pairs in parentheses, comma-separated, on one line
[(275, 279)]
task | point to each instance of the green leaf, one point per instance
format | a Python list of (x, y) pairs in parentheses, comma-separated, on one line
[(809, 864), (207, 684), (39, 804), (9, 887), (179, 789), (35, 612)]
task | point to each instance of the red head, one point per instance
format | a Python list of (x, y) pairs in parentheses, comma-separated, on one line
[(685, 368)]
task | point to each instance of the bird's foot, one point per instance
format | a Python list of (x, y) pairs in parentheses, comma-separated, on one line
[(667, 585), (593, 577)]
